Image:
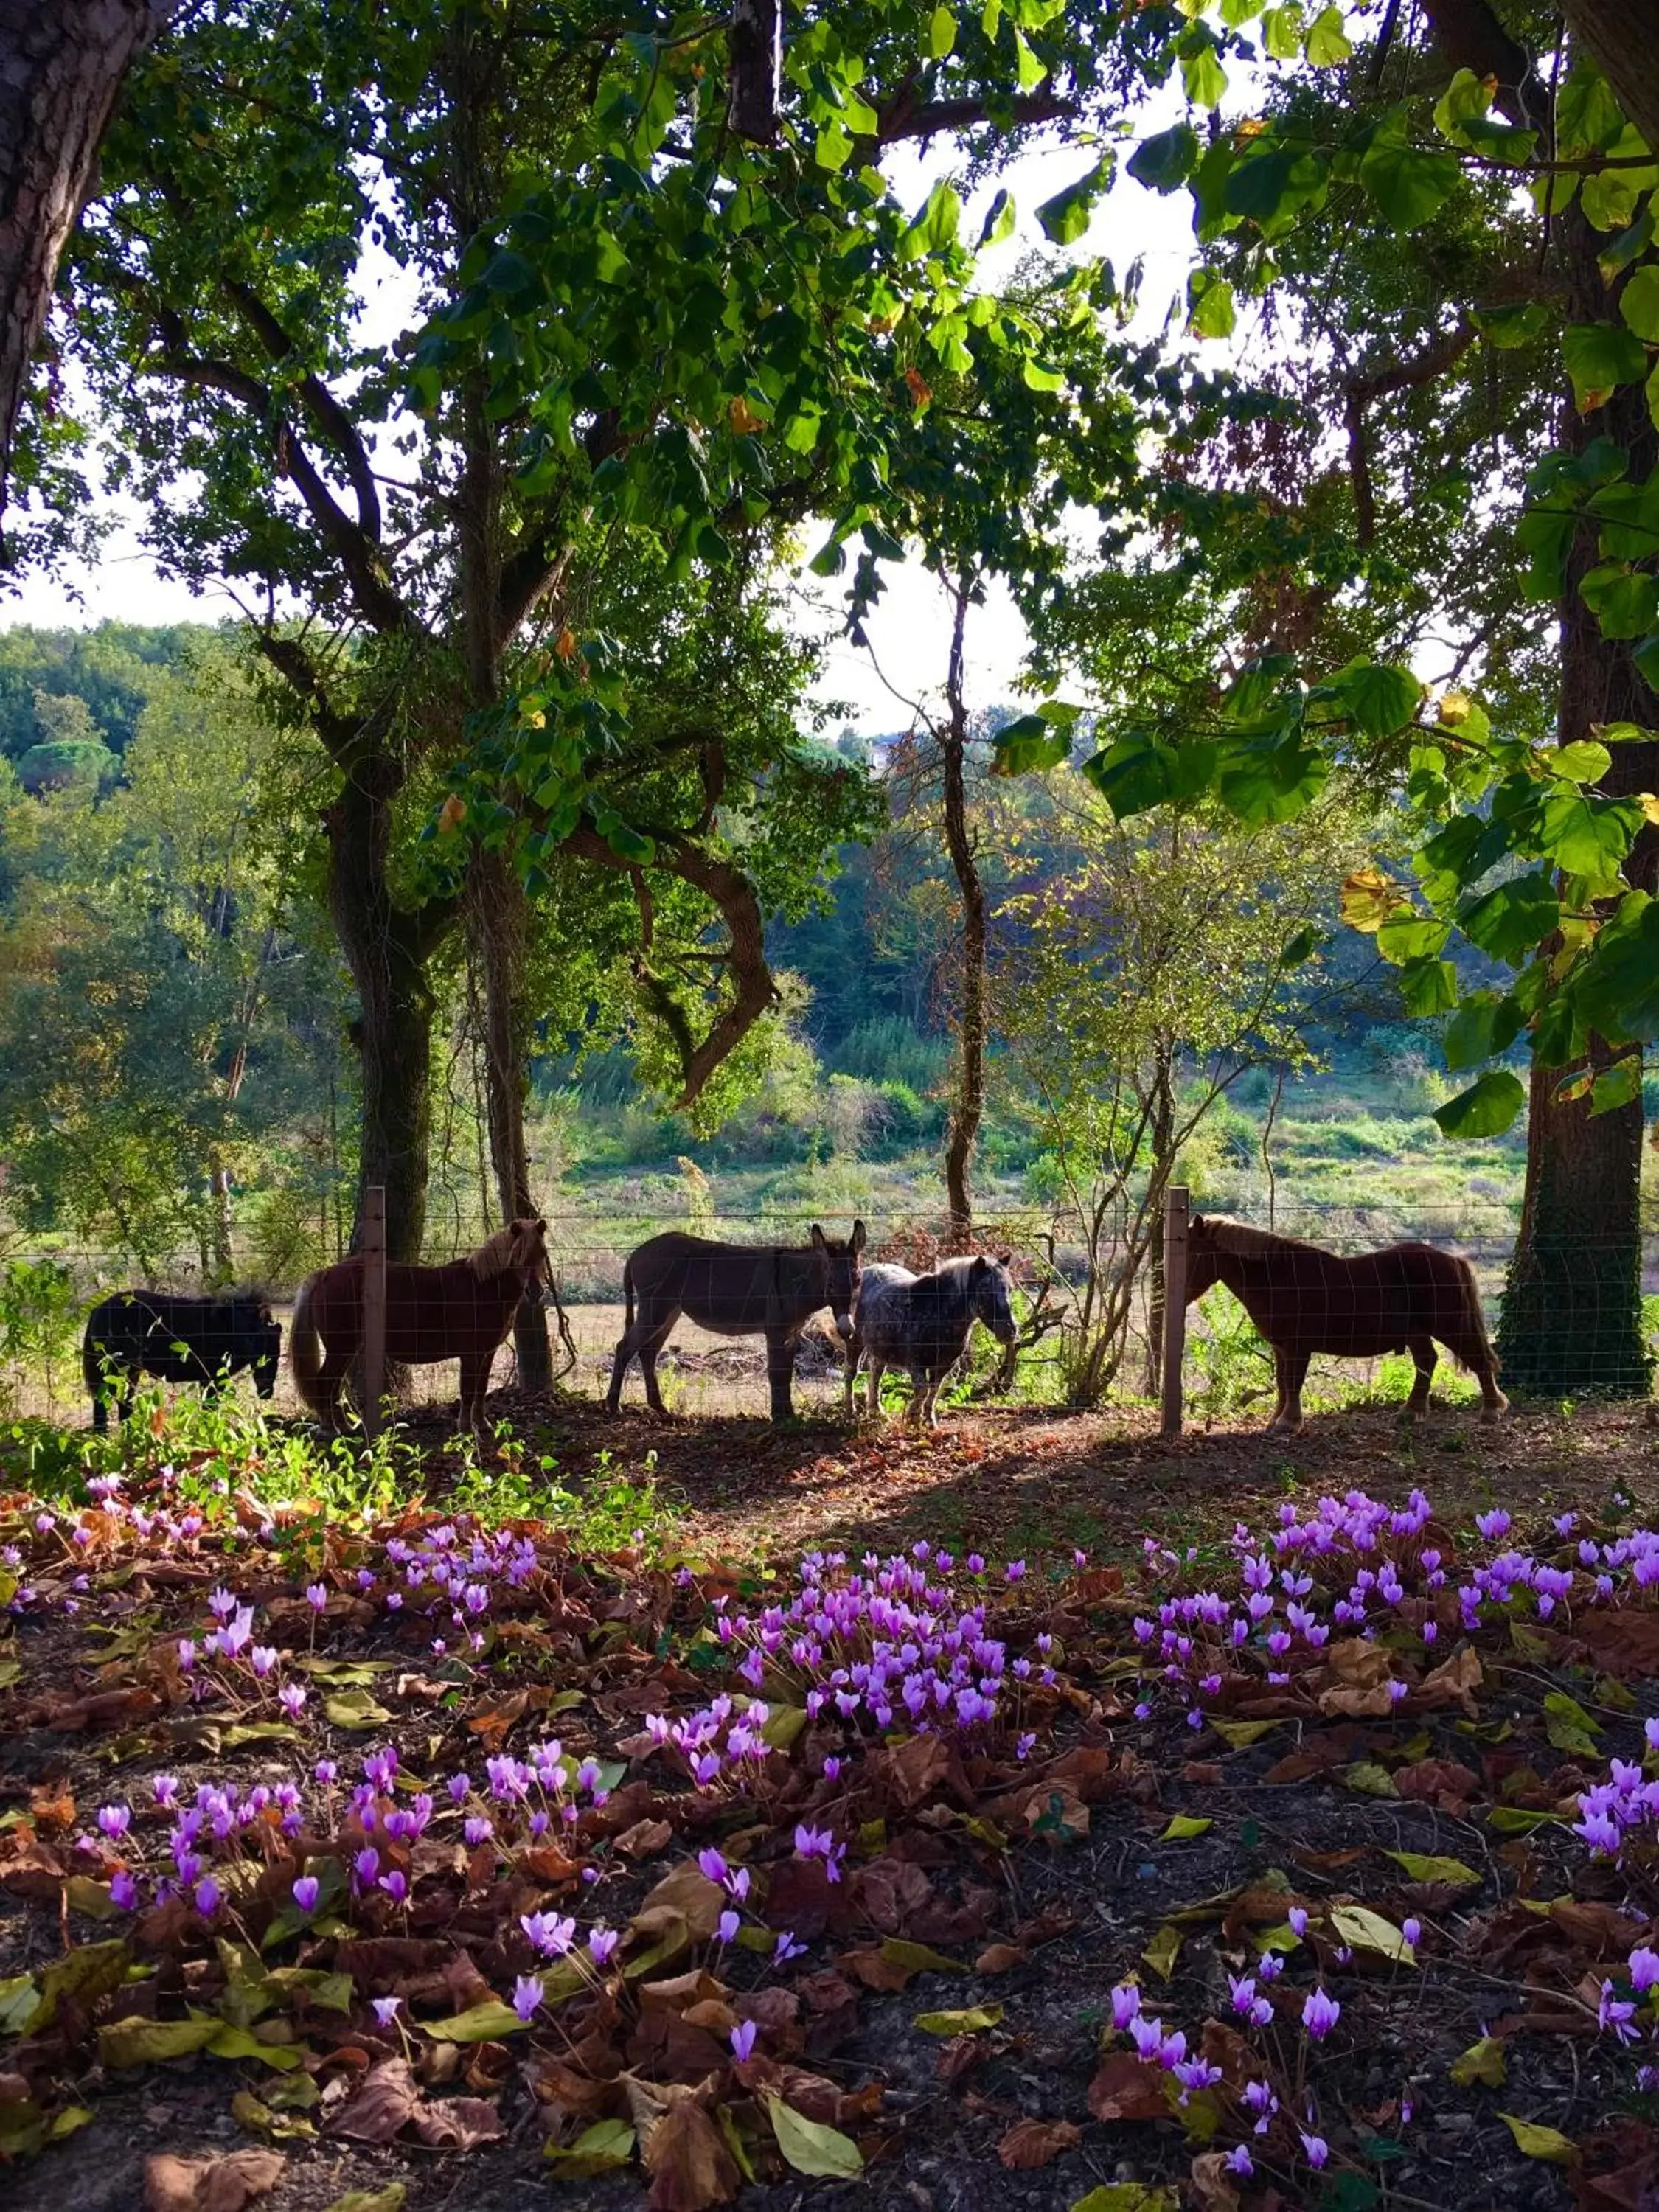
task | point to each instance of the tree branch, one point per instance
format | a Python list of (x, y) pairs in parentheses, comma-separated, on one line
[(1404, 376), (904, 119), (319, 402)]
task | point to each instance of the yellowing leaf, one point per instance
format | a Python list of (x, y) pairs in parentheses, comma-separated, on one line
[(1533, 2142), (480, 2023), (1424, 1866), (969, 2022), (810, 2147), (392, 2198), (919, 1958), (1241, 1735), (1368, 898), (143, 2042), (1648, 804), (1369, 1931), (1184, 1827), (1163, 1951), (598, 2149), (1370, 1779), (1129, 2197), (1483, 2062), (356, 1709)]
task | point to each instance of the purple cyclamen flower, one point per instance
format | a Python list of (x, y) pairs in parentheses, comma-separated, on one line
[(1238, 2160), (385, 2009), (396, 1885), (726, 1927), (316, 1596), (713, 1864), (1317, 2149), (123, 1891), (1643, 1964), (207, 1896), (1411, 1929), (742, 2039), (305, 1891), (1297, 1917), (1126, 2006), (786, 1946), (164, 1788), (526, 1997), (1493, 1524), (1616, 2013), (292, 1699), (114, 1820), (1319, 2014), (601, 1942)]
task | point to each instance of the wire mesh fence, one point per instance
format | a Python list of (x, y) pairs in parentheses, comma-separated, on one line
[(48, 1286)]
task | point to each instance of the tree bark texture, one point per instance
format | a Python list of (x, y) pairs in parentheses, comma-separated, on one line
[(386, 948), (1572, 1322), (61, 64), (1622, 38), (969, 1107), (501, 920)]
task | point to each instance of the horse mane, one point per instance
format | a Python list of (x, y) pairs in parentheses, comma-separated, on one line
[(498, 1255), (1248, 1242)]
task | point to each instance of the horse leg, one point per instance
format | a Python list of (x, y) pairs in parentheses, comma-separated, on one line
[(1282, 1385), (627, 1346), (331, 1380), (873, 1382), (921, 1410), (127, 1383), (474, 1382), (1424, 1357), (1295, 1371), (854, 1352), (781, 1371)]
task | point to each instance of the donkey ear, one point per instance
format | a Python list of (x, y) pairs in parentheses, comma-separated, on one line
[(855, 1242), (1198, 1221), (541, 1223), (818, 1240), (1005, 1259), (981, 1266)]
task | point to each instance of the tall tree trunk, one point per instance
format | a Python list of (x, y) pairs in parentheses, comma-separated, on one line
[(388, 949), (1162, 1137), (968, 1108), (1571, 1322), (1618, 35), (500, 917), (62, 63)]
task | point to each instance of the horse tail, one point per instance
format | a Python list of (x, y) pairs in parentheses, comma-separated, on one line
[(628, 1289), (92, 1368), (1474, 1352), (305, 1348)]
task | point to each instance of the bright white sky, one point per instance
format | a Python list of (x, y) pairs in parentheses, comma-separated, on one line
[(909, 633)]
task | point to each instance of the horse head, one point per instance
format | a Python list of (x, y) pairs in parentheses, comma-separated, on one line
[(1203, 1258), (266, 1334), (530, 1255), (841, 1271), (989, 1296)]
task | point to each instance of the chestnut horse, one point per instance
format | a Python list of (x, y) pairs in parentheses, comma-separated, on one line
[(1305, 1299), (462, 1312)]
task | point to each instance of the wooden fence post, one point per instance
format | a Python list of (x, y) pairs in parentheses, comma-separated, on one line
[(1175, 1303), (373, 1251)]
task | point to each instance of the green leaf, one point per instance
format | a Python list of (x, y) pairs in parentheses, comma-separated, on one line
[(969, 2022), (999, 219), (1584, 761), (810, 2147), (1380, 699), (1625, 604), (1638, 303), (1212, 313), (1327, 42), (1514, 325), (1485, 1110), (598, 2149), (1283, 32), (1065, 218), (1407, 936), (1370, 1779), (1569, 1727), (1165, 162), (935, 227), (1203, 76), (1586, 835), (1516, 1821), (1028, 743), (1427, 986), (1599, 357), (1184, 1827), (1616, 1087), (1509, 921), (392, 2198), (1241, 1735), (136, 2042), (1534, 2142), (1486, 1024), (918, 1958), (1408, 185), (1129, 2197), (479, 2023), (941, 33), (1427, 1866), (1029, 71), (1483, 2063)]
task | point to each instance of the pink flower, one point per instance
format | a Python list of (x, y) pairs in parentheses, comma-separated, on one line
[(1319, 2014)]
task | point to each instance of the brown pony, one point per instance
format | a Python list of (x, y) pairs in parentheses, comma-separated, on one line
[(1305, 1300), (462, 1312)]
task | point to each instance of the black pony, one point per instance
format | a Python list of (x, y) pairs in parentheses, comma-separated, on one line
[(182, 1339)]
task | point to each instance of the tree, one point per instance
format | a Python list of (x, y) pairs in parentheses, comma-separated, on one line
[(625, 325), (1135, 983), (61, 70)]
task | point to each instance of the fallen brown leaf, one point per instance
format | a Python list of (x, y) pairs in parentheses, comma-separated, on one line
[(1032, 2143)]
